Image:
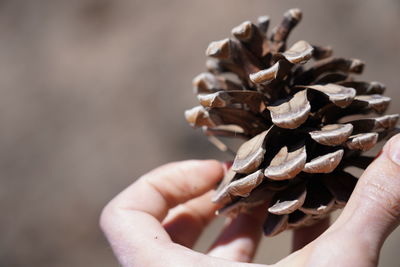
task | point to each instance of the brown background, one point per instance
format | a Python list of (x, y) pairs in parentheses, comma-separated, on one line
[(93, 94)]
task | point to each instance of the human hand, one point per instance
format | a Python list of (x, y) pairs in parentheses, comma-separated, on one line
[(157, 220)]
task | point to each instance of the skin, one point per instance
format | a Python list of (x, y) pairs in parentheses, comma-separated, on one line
[(157, 220)]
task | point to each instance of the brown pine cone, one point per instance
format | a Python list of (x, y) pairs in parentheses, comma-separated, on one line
[(304, 124)]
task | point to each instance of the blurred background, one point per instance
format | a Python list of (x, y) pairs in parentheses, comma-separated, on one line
[(93, 94)]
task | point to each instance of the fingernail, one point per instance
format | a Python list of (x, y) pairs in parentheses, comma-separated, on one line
[(394, 149)]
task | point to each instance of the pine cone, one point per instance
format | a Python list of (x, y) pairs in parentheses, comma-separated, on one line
[(304, 123)]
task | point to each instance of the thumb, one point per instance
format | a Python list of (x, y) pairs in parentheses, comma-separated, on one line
[(373, 210)]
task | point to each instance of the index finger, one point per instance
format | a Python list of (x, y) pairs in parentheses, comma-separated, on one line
[(131, 221), (169, 185)]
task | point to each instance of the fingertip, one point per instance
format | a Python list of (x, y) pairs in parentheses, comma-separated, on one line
[(214, 164), (203, 164), (212, 168), (208, 168)]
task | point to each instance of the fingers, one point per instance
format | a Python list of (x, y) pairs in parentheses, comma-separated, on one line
[(240, 237), (185, 222), (131, 221), (373, 210), (307, 234), (169, 185)]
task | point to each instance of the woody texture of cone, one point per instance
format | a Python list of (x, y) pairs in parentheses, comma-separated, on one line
[(302, 116)]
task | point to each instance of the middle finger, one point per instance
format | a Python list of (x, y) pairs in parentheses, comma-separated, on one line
[(186, 222)]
